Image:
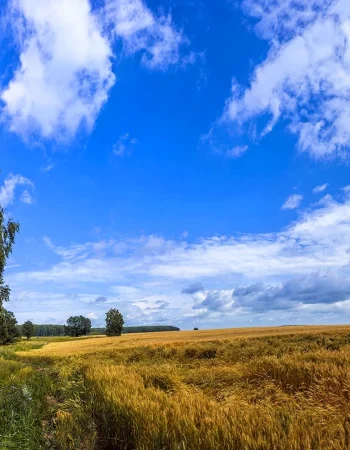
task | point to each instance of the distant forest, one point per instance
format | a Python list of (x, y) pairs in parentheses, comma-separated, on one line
[(59, 330)]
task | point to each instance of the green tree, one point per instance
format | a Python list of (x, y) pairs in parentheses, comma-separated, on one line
[(8, 231), (8, 327), (28, 329), (78, 326), (114, 322)]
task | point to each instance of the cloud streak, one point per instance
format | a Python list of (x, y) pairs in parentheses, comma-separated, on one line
[(317, 241)]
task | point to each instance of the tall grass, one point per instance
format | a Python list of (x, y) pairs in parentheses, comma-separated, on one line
[(281, 392), (270, 389), (23, 390)]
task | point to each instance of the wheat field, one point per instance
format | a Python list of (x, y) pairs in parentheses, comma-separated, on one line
[(235, 389)]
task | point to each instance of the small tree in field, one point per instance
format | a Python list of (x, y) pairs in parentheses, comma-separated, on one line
[(78, 326), (8, 231), (28, 329), (114, 322)]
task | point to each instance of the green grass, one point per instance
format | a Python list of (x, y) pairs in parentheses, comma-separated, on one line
[(28, 397), (23, 390)]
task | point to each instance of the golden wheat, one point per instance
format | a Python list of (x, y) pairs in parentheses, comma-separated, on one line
[(270, 388)]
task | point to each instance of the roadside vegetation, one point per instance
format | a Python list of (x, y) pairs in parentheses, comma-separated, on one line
[(250, 389)]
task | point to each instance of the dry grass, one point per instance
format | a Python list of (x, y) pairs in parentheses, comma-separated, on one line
[(240, 389), (83, 346)]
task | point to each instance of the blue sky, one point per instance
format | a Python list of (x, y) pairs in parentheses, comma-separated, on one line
[(185, 162)]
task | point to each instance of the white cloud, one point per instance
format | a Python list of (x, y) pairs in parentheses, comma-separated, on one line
[(236, 152), (92, 316), (294, 294), (47, 168), (283, 17), (321, 188), (59, 87), (26, 197), (231, 279), (123, 290), (7, 191), (305, 79), (317, 241), (292, 202), (64, 73), (125, 145), (141, 30)]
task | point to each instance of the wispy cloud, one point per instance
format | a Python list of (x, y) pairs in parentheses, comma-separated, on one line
[(125, 145), (7, 191), (304, 79), (321, 188), (26, 197), (142, 31), (293, 201), (47, 168), (303, 268), (236, 152), (318, 240)]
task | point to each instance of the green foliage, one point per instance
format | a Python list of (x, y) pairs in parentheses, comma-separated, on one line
[(25, 393), (138, 329), (28, 329), (8, 231), (149, 329), (78, 326), (114, 322), (8, 327), (46, 330)]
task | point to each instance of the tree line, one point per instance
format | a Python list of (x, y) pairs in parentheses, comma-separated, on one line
[(47, 330), (76, 326)]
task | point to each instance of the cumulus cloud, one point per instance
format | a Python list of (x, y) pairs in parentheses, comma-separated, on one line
[(193, 288), (7, 191), (92, 316), (304, 79), (307, 289), (142, 31), (292, 202), (294, 294), (321, 188), (57, 86), (220, 300)]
